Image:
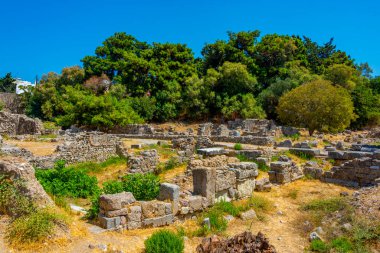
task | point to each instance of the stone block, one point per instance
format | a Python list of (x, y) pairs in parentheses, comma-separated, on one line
[(134, 214), (120, 212), (306, 151), (169, 192), (159, 221), (195, 203), (248, 215), (285, 144), (211, 151), (245, 188), (109, 223), (204, 183), (111, 202)]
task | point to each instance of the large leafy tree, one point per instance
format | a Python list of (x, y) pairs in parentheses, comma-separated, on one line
[(317, 105), (8, 84)]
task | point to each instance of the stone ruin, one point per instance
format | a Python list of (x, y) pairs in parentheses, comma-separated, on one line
[(79, 147), (144, 162), (12, 102), (284, 171), (359, 172), (17, 124)]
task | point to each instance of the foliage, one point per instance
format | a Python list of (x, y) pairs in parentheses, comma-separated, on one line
[(61, 181), (164, 241), (33, 227), (319, 246), (142, 186), (246, 76), (8, 84), (260, 203), (238, 146), (317, 106), (172, 163)]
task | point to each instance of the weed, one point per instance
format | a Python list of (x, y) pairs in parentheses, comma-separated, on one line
[(227, 207), (341, 244), (238, 146), (293, 194), (319, 246), (260, 203)]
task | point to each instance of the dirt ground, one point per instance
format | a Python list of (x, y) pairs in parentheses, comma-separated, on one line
[(38, 148), (283, 226)]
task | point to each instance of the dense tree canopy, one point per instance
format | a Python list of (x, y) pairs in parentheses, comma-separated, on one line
[(245, 76)]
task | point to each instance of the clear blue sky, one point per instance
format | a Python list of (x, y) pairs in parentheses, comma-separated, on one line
[(41, 36)]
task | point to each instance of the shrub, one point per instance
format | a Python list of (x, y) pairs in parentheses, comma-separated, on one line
[(164, 241), (238, 146), (142, 186), (217, 221), (69, 182), (168, 165), (33, 227), (12, 201)]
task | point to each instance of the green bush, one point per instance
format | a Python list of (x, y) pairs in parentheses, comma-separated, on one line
[(319, 246), (342, 245), (217, 221), (12, 201), (69, 182), (238, 146), (168, 165), (164, 241), (33, 227)]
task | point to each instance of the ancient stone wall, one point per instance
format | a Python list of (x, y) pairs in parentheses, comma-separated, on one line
[(17, 124), (145, 162), (364, 171), (284, 171), (12, 102), (135, 129)]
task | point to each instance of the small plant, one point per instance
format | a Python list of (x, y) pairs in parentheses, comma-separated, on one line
[(34, 227), (294, 137), (293, 194), (217, 221), (302, 155), (168, 165), (238, 146), (164, 241), (341, 244)]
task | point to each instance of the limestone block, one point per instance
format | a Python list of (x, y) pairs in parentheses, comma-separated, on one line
[(159, 221), (204, 183), (110, 202)]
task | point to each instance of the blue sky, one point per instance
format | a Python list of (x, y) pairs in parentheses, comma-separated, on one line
[(41, 36)]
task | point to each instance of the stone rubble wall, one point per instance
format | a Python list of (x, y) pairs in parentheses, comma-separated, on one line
[(359, 172), (18, 124), (81, 147), (135, 129), (145, 162)]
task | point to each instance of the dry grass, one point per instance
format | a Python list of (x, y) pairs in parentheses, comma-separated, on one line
[(36, 147), (170, 174)]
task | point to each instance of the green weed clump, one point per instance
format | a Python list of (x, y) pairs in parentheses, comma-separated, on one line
[(168, 165), (67, 182), (164, 241), (238, 146)]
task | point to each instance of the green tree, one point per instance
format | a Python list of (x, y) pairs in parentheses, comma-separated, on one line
[(317, 105), (242, 106), (367, 106), (8, 84), (343, 75)]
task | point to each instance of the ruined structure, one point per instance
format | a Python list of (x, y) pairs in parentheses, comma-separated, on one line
[(284, 171), (17, 124), (144, 162)]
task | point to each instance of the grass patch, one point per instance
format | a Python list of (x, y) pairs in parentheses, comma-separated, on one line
[(34, 227), (163, 150), (48, 136), (93, 167), (172, 163), (238, 146), (260, 203)]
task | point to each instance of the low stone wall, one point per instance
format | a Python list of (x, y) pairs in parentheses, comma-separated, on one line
[(359, 172), (135, 129), (253, 140), (17, 124), (81, 147)]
